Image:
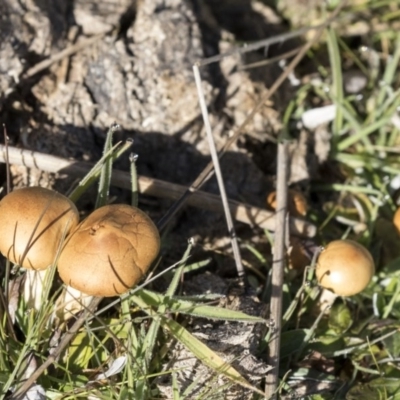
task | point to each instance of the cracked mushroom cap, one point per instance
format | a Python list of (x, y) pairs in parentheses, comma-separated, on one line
[(34, 221), (110, 251)]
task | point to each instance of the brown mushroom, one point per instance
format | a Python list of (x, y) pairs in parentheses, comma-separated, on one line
[(297, 203), (110, 251), (396, 220), (34, 222), (345, 267), (298, 258)]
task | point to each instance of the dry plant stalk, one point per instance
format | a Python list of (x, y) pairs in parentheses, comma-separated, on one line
[(272, 378), (218, 173), (278, 265)]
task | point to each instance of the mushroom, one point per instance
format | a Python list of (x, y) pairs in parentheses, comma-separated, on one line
[(107, 254), (396, 220), (298, 257), (297, 203), (345, 267), (34, 222)]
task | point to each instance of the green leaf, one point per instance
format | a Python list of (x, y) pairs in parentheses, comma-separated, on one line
[(340, 318), (79, 352), (106, 170), (379, 388), (392, 344), (198, 310)]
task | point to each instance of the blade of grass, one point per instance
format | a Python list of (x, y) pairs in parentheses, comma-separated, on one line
[(351, 349), (114, 153), (20, 392), (370, 128), (199, 310), (369, 161), (205, 354), (391, 71), (106, 169), (152, 333), (217, 169), (198, 348), (134, 180), (337, 83)]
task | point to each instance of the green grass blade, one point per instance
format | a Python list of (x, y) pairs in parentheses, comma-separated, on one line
[(94, 173), (390, 71), (155, 326), (106, 170), (363, 133), (198, 310), (179, 270), (337, 85)]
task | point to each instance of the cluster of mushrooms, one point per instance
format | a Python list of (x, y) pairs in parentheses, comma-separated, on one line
[(110, 251), (344, 267), (104, 255)]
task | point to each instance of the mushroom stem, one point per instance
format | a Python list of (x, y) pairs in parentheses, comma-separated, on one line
[(33, 288), (326, 299), (71, 302)]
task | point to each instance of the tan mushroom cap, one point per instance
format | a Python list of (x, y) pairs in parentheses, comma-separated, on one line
[(345, 267), (34, 221), (396, 220), (110, 251)]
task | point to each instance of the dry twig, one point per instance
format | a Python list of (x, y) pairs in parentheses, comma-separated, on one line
[(279, 245), (278, 265)]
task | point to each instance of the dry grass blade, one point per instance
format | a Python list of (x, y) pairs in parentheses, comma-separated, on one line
[(241, 212), (218, 173)]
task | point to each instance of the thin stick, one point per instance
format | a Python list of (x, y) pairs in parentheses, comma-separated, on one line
[(259, 44), (245, 213), (8, 178), (19, 393), (269, 61), (7, 160), (271, 383), (69, 51), (278, 269), (218, 173)]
